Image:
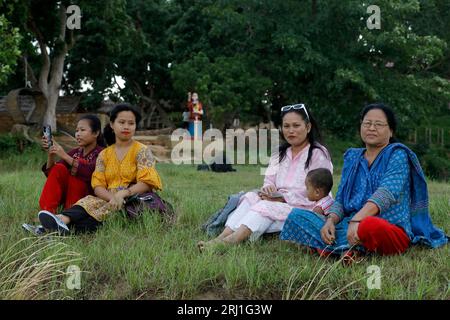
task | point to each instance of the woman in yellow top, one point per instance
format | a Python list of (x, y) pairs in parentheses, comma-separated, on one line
[(124, 169)]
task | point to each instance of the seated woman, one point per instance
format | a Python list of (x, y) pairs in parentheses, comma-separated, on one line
[(382, 202), (259, 213), (124, 169), (69, 179)]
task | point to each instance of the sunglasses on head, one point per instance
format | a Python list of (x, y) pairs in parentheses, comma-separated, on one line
[(298, 106)]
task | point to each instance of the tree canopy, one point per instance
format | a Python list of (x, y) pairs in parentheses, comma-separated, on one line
[(9, 49), (248, 58)]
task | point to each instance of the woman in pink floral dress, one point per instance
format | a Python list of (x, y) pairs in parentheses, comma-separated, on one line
[(284, 184)]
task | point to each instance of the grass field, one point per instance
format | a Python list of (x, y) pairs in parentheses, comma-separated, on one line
[(148, 259)]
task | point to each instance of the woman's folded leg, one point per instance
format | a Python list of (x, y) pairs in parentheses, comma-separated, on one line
[(303, 227), (380, 236), (80, 220), (76, 190), (54, 189), (251, 225)]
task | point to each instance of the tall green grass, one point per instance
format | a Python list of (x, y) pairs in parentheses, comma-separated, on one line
[(150, 259)]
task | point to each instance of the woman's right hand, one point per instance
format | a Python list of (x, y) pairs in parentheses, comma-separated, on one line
[(328, 232), (269, 189), (116, 202)]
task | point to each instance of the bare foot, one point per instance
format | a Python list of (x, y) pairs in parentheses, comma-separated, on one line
[(205, 245)]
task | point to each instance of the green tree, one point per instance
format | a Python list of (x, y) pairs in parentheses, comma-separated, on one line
[(105, 32), (321, 53), (136, 49), (249, 57), (44, 25), (9, 49)]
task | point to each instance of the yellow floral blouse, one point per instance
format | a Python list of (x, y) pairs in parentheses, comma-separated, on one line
[(138, 165)]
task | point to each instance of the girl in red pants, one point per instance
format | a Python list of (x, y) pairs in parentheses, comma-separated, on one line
[(69, 179)]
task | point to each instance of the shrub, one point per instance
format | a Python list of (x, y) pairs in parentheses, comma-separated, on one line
[(434, 160), (14, 144)]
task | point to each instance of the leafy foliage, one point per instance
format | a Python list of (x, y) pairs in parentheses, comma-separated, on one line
[(249, 58), (9, 48)]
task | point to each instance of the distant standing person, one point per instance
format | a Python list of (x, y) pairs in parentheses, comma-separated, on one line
[(195, 106)]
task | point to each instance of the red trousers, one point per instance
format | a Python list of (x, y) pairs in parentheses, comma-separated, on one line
[(61, 188), (380, 236)]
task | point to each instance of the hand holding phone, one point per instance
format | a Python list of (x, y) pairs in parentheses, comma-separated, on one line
[(268, 189), (273, 195), (47, 131)]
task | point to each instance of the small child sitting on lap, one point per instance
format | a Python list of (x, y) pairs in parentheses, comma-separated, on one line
[(318, 186)]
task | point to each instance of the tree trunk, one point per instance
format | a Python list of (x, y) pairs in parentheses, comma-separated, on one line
[(50, 112), (52, 93), (54, 69)]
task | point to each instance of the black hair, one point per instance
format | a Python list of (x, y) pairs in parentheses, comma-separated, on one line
[(321, 178), (96, 126), (108, 132), (313, 136), (390, 116)]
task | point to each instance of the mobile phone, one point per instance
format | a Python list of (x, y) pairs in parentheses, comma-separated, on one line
[(131, 199), (47, 131), (276, 194), (146, 197)]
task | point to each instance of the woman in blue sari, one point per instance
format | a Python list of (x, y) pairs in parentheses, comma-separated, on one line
[(382, 201)]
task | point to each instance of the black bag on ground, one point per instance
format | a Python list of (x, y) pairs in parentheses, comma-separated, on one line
[(135, 205), (221, 165)]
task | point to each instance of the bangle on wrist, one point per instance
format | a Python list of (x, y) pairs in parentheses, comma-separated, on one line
[(355, 221)]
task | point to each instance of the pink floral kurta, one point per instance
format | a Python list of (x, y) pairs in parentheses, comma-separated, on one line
[(289, 178)]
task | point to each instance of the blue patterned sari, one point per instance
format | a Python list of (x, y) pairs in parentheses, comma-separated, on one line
[(394, 182)]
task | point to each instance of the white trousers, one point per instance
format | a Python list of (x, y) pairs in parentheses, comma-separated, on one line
[(257, 223)]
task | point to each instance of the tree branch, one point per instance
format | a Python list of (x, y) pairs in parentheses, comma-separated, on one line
[(62, 22), (71, 41), (58, 60), (45, 70), (30, 73), (437, 64), (138, 89)]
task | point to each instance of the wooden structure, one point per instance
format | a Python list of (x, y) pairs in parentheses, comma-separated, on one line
[(26, 107)]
